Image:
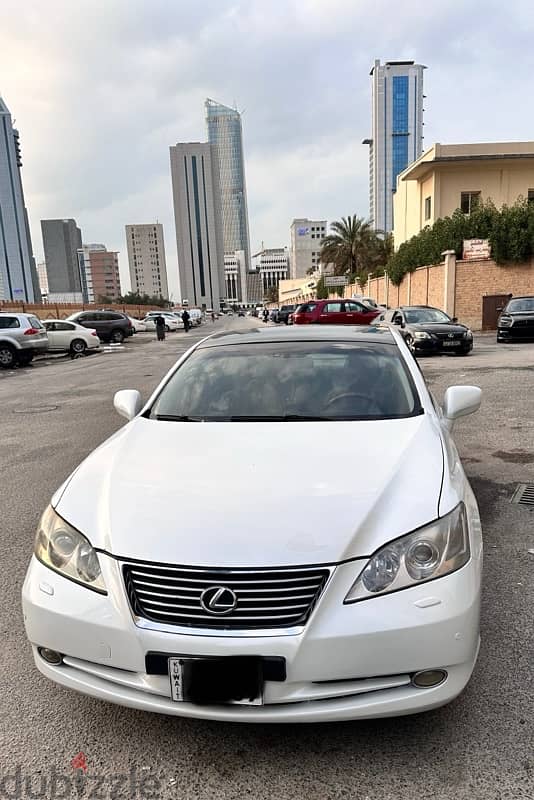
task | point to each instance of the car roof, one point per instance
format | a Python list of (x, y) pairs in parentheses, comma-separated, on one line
[(522, 297), (298, 333), (414, 308)]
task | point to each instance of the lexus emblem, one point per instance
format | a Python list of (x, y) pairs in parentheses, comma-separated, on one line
[(218, 600), (451, 335)]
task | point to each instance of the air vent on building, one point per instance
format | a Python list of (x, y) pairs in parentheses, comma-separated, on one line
[(524, 494)]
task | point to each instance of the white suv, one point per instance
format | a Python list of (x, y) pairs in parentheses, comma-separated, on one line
[(21, 337)]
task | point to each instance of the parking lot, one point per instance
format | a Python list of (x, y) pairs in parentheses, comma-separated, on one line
[(481, 746)]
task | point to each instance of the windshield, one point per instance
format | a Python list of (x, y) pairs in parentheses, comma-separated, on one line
[(423, 315), (274, 381), (525, 304)]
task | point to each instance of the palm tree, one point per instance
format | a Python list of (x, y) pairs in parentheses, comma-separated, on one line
[(354, 247)]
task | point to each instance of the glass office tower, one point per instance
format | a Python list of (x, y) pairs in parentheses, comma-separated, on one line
[(397, 133), (225, 135)]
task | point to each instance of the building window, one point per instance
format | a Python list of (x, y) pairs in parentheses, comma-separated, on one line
[(469, 201), (531, 195), (428, 207)]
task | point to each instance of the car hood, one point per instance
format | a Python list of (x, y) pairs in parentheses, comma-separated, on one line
[(438, 328), (256, 494)]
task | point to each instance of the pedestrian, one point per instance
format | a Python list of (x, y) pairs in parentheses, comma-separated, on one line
[(160, 327), (186, 316), (213, 316), (265, 315)]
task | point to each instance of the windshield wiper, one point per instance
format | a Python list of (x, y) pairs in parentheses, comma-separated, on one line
[(284, 418), (177, 418)]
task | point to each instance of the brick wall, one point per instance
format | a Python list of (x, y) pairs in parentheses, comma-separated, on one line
[(64, 310), (474, 279)]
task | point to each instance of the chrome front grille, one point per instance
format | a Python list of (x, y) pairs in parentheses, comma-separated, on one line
[(263, 598)]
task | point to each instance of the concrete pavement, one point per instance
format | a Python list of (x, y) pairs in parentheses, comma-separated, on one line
[(480, 746)]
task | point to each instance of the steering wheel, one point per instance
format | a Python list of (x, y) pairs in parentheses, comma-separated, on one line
[(371, 401)]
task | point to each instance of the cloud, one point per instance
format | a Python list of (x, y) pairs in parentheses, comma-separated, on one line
[(101, 89)]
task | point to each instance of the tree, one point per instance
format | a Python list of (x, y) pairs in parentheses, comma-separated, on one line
[(320, 289), (136, 299), (355, 248), (105, 300), (271, 294)]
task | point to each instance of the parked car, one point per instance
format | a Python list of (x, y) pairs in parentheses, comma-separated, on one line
[(21, 337), (111, 326), (428, 330), (173, 320), (137, 324), (355, 619), (273, 314), (241, 313), (334, 312), (516, 321), (284, 312), (196, 316), (69, 337)]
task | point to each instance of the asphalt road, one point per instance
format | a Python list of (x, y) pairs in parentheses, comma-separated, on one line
[(480, 746)]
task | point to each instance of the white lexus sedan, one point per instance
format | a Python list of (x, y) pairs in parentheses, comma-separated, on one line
[(66, 336), (166, 587)]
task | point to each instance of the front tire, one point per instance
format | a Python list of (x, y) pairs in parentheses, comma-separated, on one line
[(410, 343), (167, 329), (78, 347), (117, 336)]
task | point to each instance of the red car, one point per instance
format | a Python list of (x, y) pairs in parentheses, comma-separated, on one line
[(334, 312)]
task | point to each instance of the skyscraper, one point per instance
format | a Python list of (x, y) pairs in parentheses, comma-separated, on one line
[(99, 271), (61, 240), (18, 273), (197, 214), (397, 133), (146, 258), (225, 135)]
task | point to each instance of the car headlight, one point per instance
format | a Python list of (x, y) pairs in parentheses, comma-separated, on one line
[(64, 549), (421, 335), (430, 552), (505, 321), (468, 334)]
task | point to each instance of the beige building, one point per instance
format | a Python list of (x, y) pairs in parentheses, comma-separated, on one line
[(306, 239), (297, 290), (451, 176), (146, 259)]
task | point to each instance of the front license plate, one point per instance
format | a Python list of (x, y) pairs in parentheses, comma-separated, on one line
[(450, 344), (208, 681)]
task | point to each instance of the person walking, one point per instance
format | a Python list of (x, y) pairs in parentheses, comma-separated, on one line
[(265, 315), (186, 316), (160, 327)]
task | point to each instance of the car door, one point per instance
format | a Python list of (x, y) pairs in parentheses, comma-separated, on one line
[(53, 335), (63, 332), (332, 313), (358, 314)]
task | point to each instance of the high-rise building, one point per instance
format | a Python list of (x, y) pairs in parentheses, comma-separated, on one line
[(306, 239), (273, 265), (397, 138), (18, 274), (197, 214), (43, 278), (99, 270), (61, 241), (225, 135), (235, 278), (146, 259)]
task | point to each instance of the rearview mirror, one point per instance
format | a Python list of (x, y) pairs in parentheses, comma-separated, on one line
[(128, 403), (459, 401)]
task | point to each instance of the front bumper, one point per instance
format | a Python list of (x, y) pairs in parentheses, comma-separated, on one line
[(516, 333), (350, 661), (437, 346)]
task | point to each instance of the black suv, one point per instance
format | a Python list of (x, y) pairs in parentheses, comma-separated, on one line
[(111, 326), (284, 313)]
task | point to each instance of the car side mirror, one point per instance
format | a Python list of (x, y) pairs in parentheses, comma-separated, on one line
[(459, 401), (455, 319), (128, 403), (399, 321)]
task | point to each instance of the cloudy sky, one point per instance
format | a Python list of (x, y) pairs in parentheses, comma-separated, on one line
[(101, 88)]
